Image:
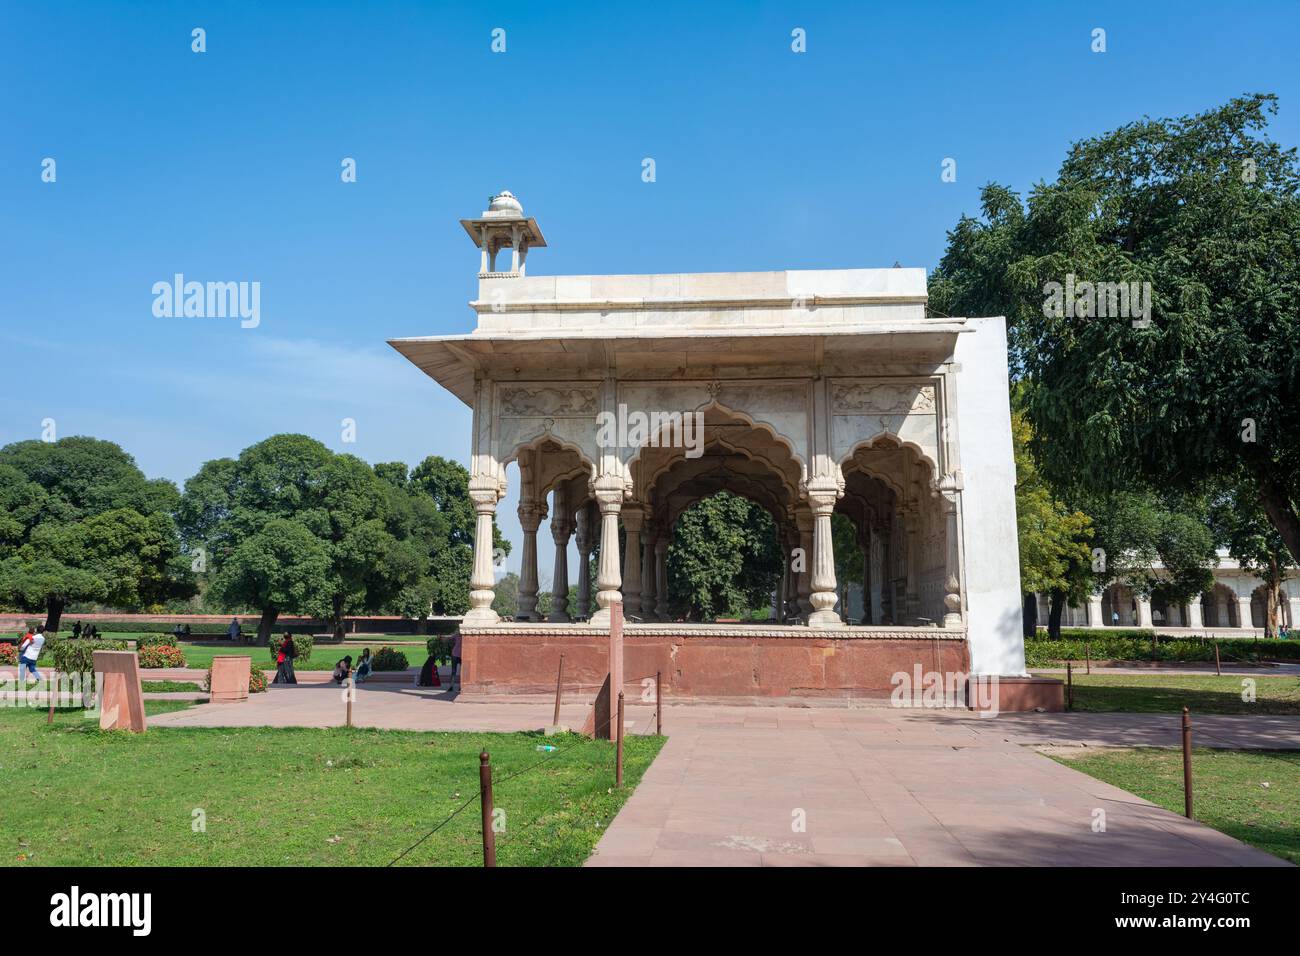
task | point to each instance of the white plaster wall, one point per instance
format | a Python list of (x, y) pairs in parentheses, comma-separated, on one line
[(992, 553)]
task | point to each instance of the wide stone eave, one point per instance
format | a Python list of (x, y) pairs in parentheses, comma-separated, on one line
[(453, 360)]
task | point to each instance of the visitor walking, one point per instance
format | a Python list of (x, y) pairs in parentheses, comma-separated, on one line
[(30, 650), (284, 661), (455, 660), (363, 667)]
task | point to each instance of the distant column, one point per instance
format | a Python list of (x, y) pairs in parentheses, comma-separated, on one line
[(1144, 612), (661, 574), (560, 531), (530, 516), (648, 588), (585, 541), (1243, 612), (1194, 613), (1096, 617), (632, 516)]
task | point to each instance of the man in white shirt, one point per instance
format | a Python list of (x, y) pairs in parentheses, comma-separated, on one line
[(30, 650)]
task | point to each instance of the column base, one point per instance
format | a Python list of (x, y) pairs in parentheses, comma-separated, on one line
[(481, 615), (825, 618)]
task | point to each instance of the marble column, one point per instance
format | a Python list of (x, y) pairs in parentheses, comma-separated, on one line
[(802, 564), (632, 517), (1096, 617), (1174, 613), (648, 588), (1243, 612), (1194, 613), (560, 531), (823, 597), (585, 540), (530, 516), (609, 498), (912, 525), (1144, 612), (876, 574), (482, 580), (661, 575), (952, 562)]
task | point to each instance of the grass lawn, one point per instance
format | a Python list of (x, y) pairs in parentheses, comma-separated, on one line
[(1229, 791), (170, 686), (1170, 693), (73, 795)]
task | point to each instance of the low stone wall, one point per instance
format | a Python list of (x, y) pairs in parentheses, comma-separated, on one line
[(707, 660)]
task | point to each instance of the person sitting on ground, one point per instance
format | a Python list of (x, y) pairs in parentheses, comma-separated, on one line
[(234, 630), (428, 676), (363, 667), (343, 669)]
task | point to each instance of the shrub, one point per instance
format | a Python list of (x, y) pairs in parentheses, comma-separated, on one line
[(78, 656), (1136, 645), (302, 643), (156, 640), (161, 655), (9, 654), (387, 659), (440, 649), (256, 681)]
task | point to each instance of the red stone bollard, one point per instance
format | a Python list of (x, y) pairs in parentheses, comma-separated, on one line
[(618, 770), (1187, 764)]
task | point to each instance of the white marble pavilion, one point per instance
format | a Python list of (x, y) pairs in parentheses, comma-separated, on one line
[(807, 392)]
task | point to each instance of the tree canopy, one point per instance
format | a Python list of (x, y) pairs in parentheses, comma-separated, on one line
[(1205, 209), (724, 560), (80, 522)]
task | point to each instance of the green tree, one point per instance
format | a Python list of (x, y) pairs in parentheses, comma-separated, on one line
[(1206, 209), (724, 560), (1240, 524), (80, 522), (282, 567), (1055, 551)]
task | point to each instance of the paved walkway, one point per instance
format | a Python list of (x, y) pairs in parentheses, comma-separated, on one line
[(871, 785)]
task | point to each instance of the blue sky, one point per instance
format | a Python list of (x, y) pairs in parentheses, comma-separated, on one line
[(225, 166)]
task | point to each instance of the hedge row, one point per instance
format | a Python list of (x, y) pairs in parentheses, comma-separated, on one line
[(1077, 644)]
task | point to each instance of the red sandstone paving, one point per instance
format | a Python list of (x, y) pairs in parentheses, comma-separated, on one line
[(876, 786)]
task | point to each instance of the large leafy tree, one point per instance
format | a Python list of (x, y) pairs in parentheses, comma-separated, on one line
[(1206, 209), (724, 560), (80, 522)]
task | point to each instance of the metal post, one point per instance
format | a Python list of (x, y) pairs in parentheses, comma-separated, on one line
[(1087, 653), (1187, 764), (348, 693), (618, 771), (1069, 685), (659, 704), (52, 691), (485, 798), (559, 683), (1217, 669)]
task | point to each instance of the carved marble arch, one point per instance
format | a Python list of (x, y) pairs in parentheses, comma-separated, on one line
[(545, 463), (879, 455), (739, 430)]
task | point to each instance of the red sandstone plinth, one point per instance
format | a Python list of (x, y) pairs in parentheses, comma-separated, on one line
[(230, 678), (121, 698)]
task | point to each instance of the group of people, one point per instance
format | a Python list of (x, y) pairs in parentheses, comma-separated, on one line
[(343, 669), (89, 632)]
